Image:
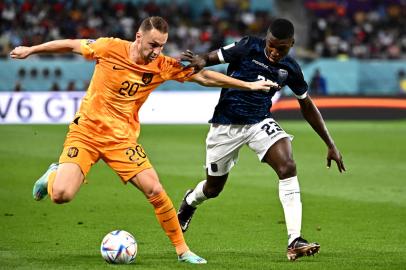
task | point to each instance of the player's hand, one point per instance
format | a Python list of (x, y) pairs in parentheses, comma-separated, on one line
[(197, 62), (334, 154), (264, 85), (20, 52)]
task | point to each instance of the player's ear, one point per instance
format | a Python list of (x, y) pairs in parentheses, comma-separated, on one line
[(138, 35), (293, 42)]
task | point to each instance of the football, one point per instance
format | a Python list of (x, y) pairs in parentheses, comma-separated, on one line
[(119, 247)]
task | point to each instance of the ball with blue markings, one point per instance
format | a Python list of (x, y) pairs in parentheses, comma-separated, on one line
[(119, 247)]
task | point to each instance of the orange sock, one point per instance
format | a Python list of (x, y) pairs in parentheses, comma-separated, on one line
[(166, 215), (51, 179)]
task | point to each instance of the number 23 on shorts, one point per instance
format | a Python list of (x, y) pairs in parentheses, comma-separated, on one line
[(271, 127)]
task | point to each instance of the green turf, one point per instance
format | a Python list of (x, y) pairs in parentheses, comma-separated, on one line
[(357, 217)]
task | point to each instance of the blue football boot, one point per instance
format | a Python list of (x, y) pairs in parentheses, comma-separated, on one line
[(190, 257), (40, 190)]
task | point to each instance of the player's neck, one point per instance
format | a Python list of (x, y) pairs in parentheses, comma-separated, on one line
[(135, 56)]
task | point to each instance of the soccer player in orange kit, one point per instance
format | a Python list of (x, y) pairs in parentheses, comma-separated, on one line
[(107, 125)]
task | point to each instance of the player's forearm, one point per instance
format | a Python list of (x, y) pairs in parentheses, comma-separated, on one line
[(211, 59), (215, 79), (315, 119), (57, 46)]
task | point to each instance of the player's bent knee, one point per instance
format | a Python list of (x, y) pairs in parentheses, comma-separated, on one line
[(60, 197), (153, 191), (287, 169)]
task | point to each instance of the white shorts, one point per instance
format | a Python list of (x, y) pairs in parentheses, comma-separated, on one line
[(223, 143)]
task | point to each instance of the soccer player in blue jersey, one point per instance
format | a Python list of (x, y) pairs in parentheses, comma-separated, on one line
[(244, 118)]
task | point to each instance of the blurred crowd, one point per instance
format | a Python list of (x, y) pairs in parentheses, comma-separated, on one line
[(31, 22), (356, 28)]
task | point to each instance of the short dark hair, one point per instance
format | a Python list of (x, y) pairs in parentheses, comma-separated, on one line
[(281, 28), (154, 22)]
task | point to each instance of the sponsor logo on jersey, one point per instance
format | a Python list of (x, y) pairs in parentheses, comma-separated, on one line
[(140, 163), (118, 67), (260, 64)]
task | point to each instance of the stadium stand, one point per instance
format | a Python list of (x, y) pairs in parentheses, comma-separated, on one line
[(366, 36), (358, 28)]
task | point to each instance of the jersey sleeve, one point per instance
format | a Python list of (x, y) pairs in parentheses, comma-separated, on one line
[(234, 51), (297, 83), (174, 70), (93, 49)]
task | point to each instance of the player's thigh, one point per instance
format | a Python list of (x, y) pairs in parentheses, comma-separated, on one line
[(147, 182), (74, 164), (279, 153), (68, 179), (127, 160), (266, 134), (223, 143), (280, 158)]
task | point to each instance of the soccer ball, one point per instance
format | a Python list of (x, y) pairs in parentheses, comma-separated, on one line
[(119, 247)]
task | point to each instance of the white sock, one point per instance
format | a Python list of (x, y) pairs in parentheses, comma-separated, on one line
[(289, 195), (197, 196)]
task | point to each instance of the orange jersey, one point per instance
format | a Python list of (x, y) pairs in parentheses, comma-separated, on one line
[(119, 87)]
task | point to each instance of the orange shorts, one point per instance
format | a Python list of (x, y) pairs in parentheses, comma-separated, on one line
[(126, 159)]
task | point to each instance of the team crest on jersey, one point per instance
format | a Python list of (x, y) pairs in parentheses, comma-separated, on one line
[(147, 78), (73, 152), (282, 75)]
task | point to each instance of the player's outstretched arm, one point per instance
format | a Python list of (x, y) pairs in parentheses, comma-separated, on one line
[(55, 46), (314, 118), (215, 79)]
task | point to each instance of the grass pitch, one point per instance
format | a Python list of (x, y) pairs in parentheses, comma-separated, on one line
[(357, 217)]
